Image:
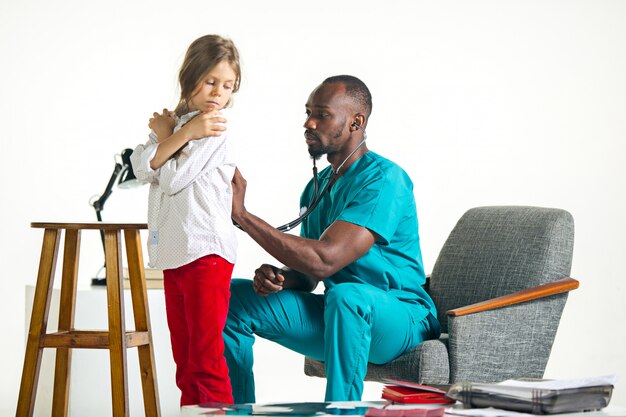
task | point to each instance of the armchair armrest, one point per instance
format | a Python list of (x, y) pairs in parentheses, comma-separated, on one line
[(540, 291)]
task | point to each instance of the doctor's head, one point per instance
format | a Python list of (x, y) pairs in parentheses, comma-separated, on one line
[(337, 112)]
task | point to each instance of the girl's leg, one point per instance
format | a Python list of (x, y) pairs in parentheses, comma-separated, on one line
[(177, 323), (206, 284)]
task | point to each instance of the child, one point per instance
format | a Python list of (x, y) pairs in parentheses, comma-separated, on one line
[(191, 235)]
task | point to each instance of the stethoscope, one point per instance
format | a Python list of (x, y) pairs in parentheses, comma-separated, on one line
[(317, 197)]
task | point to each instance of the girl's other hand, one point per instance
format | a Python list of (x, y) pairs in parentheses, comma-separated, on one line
[(162, 124), (206, 124)]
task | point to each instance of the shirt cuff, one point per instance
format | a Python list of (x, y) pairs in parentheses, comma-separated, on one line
[(141, 158)]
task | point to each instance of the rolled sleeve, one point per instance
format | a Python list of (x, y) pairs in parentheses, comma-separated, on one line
[(140, 160)]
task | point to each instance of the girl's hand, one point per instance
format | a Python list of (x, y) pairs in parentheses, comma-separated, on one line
[(205, 124), (162, 124)]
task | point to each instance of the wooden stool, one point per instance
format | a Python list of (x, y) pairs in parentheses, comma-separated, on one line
[(116, 339)]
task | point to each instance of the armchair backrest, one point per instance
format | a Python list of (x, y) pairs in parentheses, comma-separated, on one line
[(493, 251)]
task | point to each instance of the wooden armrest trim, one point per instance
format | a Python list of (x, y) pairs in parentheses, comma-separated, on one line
[(540, 291)]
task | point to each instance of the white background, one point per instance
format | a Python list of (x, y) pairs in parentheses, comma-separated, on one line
[(482, 102)]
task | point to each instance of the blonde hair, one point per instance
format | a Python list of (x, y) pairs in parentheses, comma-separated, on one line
[(202, 55)]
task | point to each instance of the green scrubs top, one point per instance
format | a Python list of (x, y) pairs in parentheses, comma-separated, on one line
[(377, 194)]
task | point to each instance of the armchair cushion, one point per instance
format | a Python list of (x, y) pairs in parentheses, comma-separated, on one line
[(426, 363)]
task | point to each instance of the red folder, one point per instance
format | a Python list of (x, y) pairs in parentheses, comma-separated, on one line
[(415, 394)]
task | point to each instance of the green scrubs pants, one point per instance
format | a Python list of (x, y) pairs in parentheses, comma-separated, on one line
[(347, 327)]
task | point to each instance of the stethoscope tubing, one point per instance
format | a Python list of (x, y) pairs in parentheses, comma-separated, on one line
[(315, 200)]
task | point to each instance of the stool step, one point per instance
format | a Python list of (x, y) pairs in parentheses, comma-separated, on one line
[(91, 339)]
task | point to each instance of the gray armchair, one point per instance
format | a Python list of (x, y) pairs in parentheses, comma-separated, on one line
[(500, 284)]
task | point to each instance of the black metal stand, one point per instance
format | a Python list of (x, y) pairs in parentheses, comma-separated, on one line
[(98, 205)]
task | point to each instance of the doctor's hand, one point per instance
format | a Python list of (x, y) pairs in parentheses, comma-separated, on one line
[(239, 194), (268, 280)]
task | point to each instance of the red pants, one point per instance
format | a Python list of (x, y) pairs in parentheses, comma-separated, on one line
[(196, 302)]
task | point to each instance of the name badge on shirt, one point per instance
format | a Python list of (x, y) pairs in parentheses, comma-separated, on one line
[(154, 237)]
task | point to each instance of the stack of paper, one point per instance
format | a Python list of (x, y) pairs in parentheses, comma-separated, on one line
[(538, 397)]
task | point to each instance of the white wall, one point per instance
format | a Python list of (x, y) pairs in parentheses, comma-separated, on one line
[(483, 102)]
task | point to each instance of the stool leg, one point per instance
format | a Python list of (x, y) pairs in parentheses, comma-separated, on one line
[(117, 325), (60, 399), (141, 313), (38, 323)]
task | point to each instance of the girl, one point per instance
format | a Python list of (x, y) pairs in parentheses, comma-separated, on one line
[(191, 236)]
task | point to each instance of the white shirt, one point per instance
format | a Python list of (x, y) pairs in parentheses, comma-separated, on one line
[(190, 200)]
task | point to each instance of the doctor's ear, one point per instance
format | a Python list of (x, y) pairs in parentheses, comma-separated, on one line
[(358, 123)]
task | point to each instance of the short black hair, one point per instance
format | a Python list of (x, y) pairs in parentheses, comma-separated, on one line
[(355, 89)]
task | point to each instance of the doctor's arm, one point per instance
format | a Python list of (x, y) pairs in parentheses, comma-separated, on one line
[(310, 261)]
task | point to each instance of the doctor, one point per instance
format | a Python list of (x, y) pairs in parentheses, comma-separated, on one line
[(361, 242)]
